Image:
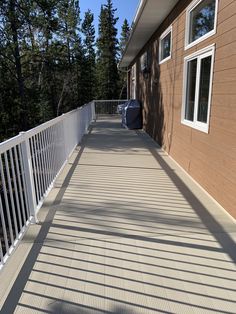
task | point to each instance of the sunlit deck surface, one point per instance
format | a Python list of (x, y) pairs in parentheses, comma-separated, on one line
[(125, 230)]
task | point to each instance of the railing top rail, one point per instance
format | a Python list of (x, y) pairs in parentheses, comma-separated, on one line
[(112, 100), (18, 139), (47, 124), (8, 144)]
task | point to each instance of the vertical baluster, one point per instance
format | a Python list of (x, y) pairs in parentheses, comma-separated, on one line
[(49, 155), (35, 171), (11, 194), (46, 157), (42, 161), (24, 183), (56, 148), (80, 125), (4, 229), (19, 184), (1, 255), (62, 147), (53, 151), (64, 139), (39, 158), (35, 150), (51, 135), (6, 202), (15, 189)]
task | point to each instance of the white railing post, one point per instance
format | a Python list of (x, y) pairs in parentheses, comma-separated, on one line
[(1, 256), (29, 178), (93, 111)]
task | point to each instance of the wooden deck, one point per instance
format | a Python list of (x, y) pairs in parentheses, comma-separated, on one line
[(125, 230)]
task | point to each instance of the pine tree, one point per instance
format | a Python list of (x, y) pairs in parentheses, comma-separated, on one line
[(70, 56), (69, 17), (47, 66), (107, 54), (125, 32), (43, 25), (11, 25), (88, 31)]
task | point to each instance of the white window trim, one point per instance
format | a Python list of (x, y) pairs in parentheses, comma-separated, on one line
[(144, 56), (163, 35), (192, 6), (208, 51), (133, 81)]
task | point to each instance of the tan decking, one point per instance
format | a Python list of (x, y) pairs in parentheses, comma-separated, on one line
[(124, 231)]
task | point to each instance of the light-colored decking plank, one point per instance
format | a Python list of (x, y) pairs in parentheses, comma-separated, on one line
[(126, 232)]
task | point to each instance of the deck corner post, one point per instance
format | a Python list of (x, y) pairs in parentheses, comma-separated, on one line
[(29, 178), (94, 118)]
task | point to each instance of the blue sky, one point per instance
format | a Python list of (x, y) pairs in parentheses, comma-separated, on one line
[(125, 9)]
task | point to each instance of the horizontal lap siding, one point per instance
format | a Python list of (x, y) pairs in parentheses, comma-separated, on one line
[(208, 158)]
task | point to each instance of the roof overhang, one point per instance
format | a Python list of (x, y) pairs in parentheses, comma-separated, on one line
[(150, 14)]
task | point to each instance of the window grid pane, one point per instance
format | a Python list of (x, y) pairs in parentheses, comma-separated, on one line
[(166, 46), (204, 89), (202, 19), (191, 89)]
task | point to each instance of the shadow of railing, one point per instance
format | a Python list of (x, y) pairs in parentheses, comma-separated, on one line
[(126, 238)]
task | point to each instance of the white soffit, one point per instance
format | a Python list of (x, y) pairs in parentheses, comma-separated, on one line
[(149, 16)]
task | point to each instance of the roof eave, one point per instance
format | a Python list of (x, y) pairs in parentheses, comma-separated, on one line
[(149, 16)]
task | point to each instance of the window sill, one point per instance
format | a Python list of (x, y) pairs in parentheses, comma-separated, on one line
[(199, 40), (164, 60), (202, 127)]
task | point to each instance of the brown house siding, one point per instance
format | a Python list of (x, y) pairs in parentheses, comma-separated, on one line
[(209, 158)]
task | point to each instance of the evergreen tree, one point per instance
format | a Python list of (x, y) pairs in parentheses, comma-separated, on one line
[(71, 55), (43, 25), (11, 24), (107, 54), (125, 32), (88, 31), (46, 67), (69, 17)]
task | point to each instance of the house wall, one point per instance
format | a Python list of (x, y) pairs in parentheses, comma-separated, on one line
[(209, 158)]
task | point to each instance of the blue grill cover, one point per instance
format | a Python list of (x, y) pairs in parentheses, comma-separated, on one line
[(132, 115)]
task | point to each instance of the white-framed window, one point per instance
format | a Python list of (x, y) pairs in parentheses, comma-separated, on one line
[(133, 82), (201, 20), (165, 45), (197, 88), (144, 61)]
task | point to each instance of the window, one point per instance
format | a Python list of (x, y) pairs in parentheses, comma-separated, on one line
[(198, 72), (165, 44), (144, 61), (145, 64), (200, 21), (133, 82)]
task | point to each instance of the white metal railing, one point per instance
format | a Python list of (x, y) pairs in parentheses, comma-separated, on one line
[(29, 165), (107, 107)]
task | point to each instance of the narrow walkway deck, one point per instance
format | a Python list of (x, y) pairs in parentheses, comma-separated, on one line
[(124, 231)]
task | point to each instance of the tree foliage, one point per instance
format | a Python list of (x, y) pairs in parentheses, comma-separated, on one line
[(125, 32), (48, 61), (107, 54), (88, 31)]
